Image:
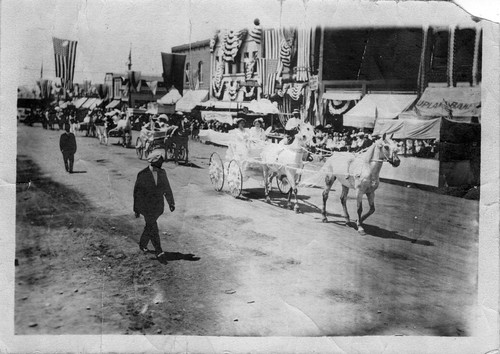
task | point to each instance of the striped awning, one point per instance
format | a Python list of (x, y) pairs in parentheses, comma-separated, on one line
[(113, 104)]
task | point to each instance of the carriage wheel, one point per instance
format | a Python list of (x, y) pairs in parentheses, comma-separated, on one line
[(216, 171), (283, 184), (182, 153), (170, 151), (234, 178), (139, 149)]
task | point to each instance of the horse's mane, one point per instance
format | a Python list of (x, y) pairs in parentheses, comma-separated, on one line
[(367, 156)]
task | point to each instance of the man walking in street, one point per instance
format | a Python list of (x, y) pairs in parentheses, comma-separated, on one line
[(150, 188), (67, 145)]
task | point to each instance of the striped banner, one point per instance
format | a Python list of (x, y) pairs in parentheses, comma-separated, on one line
[(267, 70), (65, 58)]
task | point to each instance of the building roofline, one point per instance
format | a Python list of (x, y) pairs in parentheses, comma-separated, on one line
[(197, 44)]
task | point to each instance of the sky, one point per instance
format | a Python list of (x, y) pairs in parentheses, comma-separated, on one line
[(106, 30)]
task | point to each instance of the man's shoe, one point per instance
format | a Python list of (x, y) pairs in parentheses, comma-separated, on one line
[(161, 258), (144, 250)]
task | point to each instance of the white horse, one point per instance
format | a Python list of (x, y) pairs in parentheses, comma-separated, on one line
[(278, 160), (359, 172), (123, 124)]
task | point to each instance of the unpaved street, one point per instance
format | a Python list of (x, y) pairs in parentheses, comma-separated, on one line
[(262, 270)]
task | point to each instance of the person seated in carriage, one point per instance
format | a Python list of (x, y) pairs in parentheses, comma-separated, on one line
[(257, 132)]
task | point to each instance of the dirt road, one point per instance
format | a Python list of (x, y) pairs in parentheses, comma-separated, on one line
[(262, 269)]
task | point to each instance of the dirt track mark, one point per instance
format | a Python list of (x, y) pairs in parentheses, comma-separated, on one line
[(340, 295)]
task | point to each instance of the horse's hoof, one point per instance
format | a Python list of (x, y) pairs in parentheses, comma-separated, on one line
[(290, 207), (325, 220), (361, 231), (268, 200)]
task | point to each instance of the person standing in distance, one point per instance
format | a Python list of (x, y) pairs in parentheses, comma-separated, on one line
[(67, 145), (150, 188)]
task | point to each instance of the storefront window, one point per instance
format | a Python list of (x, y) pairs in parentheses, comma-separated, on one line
[(200, 72)]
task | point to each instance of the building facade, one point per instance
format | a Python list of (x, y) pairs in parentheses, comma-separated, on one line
[(197, 67)]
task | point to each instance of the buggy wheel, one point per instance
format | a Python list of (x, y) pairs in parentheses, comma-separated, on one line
[(139, 148), (216, 171), (170, 151), (283, 184), (234, 178), (182, 153)]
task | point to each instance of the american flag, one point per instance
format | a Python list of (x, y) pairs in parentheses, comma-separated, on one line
[(65, 57)]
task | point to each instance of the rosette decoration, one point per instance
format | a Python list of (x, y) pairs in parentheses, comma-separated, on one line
[(338, 107), (256, 32), (232, 43)]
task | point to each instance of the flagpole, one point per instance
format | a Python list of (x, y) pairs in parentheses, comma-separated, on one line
[(129, 83)]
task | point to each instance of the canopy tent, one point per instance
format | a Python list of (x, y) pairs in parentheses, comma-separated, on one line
[(377, 106), (88, 103), (409, 128), (223, 117), (170, 98), (462, 101), (263, 106), (113, 104), (338, 95), (79, 102), (156, 108), (190, 100)]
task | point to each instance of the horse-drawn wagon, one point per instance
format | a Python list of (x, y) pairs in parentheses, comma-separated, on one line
[(261, 161)]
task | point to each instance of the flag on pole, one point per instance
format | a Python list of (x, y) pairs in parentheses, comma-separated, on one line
[(173, 70), (65, 57)]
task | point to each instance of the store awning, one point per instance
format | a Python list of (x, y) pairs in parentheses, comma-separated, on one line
[(97, 102), (170, 98), (463, 101), (88, 103), (342, 95), (409, 128), (113, 104), (377, 106), (223, 117), (263, 106), (225, 105), (190, 100), (79, 102)]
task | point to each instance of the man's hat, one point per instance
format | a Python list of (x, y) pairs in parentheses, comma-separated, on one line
[(156, 154)]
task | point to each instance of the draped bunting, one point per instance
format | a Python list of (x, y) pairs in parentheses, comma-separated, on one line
[(285, 53), (217, 84), (173, 70), (295, 92), (338, 107), (134, 79), (218, 90), (152, 86), (45, 88), (213, 41), (232, 43), (256, 34), (249, 91), (232, 90), (249, 68)]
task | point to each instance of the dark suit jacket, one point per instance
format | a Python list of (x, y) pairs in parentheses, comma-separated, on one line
[(148, 196), (67, 143)]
